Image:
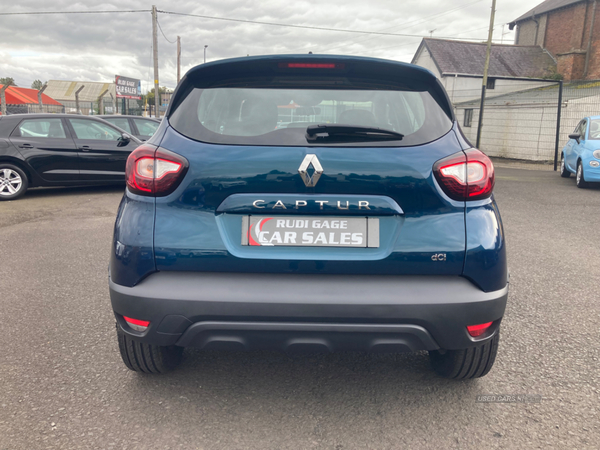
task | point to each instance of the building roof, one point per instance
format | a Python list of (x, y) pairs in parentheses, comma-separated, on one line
[(468, 58), (542, 8), (65, 90), (21, 96)]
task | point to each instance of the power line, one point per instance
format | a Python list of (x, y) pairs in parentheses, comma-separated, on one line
[(306, 27), (41, 13), (414, 22), (163, 33)]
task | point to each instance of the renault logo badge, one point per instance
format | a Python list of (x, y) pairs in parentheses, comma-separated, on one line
[(310, 160)]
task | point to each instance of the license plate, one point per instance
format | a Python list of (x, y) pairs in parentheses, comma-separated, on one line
[(310, 231)]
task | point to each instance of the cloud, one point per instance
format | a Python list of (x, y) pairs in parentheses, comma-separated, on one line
[(96, 47)]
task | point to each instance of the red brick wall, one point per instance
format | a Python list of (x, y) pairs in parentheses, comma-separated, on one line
[(564, 31), (571, 66), (594, 62)]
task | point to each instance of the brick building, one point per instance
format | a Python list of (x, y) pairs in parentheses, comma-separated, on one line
[(569, 30)]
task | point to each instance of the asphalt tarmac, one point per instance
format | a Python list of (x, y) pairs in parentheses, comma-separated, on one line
[(63, 384)]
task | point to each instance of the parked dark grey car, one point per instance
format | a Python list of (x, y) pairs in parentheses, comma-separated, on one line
[(142, 128), (60, 150)]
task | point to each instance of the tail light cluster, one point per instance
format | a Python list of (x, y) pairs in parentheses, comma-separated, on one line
[(154, 171), (466, 175)]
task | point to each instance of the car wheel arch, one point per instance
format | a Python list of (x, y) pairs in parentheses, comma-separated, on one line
[(21, 165)]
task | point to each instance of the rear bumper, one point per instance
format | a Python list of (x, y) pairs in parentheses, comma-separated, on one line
[(319, 312)]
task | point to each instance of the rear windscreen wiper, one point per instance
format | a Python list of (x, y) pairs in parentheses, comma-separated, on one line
[(340, 132)]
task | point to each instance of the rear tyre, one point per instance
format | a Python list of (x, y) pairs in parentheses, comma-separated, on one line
[(563, 170), (13, 182), (147, 358), (468, 363), (579, 179)]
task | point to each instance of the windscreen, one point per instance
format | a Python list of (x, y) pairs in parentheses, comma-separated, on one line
[(267, 116)]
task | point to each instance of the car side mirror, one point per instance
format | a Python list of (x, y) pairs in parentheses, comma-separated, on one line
[(123, 140), (575, 136)]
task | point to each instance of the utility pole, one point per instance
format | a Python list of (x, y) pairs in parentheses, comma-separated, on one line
[(178, 59), (40, 92), (485, 73), (155, 56), (205, 53)]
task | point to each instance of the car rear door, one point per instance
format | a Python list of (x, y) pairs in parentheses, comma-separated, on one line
[(47, 146), (101, 156)]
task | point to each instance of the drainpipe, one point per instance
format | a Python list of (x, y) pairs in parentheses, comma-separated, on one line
[(453, 86), (537, 29), (589, 45)]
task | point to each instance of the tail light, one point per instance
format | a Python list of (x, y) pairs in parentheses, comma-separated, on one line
[(136, 324), (478, 330), (154, 171), (466, 176)]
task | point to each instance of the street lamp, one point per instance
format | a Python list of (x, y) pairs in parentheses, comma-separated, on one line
[(205, 53)]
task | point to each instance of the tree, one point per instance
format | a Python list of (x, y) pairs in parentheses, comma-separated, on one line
[(37, 84), (149, 97), (7, 81)]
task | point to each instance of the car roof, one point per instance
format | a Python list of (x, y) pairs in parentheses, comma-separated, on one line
[(44, 115)]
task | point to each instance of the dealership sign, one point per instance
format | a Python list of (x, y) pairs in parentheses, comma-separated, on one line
[(128, 87)]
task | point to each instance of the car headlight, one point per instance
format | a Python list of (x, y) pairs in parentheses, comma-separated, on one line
[(596, 154), (594, 163)]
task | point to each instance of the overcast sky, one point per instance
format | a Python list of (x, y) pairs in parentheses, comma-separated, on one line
[(96, 47)]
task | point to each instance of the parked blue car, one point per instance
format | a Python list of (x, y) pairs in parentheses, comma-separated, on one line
[(581, 155), (367, 223)]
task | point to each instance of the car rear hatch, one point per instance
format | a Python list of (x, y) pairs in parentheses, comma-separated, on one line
[(309, 164)]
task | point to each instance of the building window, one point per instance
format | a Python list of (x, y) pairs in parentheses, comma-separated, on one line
[(468, 117), (491, 83)]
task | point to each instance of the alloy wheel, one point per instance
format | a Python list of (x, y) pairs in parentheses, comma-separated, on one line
[(10, 182)]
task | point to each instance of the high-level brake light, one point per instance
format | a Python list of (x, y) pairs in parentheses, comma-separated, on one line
[(466, 176), (312, 65), (154, 171)]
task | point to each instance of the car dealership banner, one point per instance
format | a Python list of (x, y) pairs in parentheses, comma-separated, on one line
[(128, 87)]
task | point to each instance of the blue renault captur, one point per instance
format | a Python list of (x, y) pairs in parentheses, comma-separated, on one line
[(309, 203), (581, 154)]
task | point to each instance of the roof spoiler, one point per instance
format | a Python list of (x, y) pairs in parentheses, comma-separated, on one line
[(236, 71)]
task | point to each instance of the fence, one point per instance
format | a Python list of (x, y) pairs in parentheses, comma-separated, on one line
[(523, 125), (30, 108)]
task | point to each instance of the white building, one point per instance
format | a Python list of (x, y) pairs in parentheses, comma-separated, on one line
[(459, 66)]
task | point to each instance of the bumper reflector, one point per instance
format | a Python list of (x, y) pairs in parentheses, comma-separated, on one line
[(478, 330), (137, 325)]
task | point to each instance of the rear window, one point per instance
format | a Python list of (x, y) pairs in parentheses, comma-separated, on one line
[(279, 116)]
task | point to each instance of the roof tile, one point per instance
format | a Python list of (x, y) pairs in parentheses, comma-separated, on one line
[(457, 57)]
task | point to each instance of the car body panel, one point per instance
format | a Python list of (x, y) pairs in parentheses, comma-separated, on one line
[(53, 159), (399, 173)]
